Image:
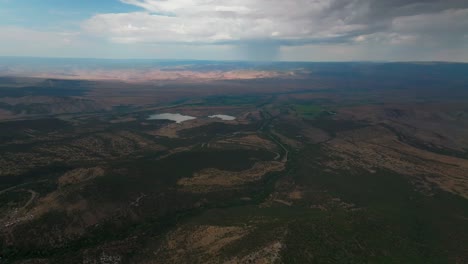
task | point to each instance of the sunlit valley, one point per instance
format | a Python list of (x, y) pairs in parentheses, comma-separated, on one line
[(325, 162)]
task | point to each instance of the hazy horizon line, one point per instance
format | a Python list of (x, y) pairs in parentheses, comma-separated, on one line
[(231, 60)]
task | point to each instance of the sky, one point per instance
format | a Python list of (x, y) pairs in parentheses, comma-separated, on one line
[(262, 30)]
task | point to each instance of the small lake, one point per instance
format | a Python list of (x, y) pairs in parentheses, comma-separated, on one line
[(223, 117), (178, 118)]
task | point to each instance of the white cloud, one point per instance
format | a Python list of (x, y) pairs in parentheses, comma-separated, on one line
[(205, 21), (260, 30), (392, 38)]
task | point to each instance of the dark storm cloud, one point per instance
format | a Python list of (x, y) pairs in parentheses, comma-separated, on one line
[(397, 21), (385, 16)]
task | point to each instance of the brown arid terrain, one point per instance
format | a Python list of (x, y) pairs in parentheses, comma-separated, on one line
[(289, 163), (207, 179), (378, 147), (143, 76), (183, 244)]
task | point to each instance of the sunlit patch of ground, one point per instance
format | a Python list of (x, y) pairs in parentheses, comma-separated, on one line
[(141, 76), (214, 179), (378, 147), (266, 255), (171, 130), (80, 175), (198, 244), (249, 141)]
